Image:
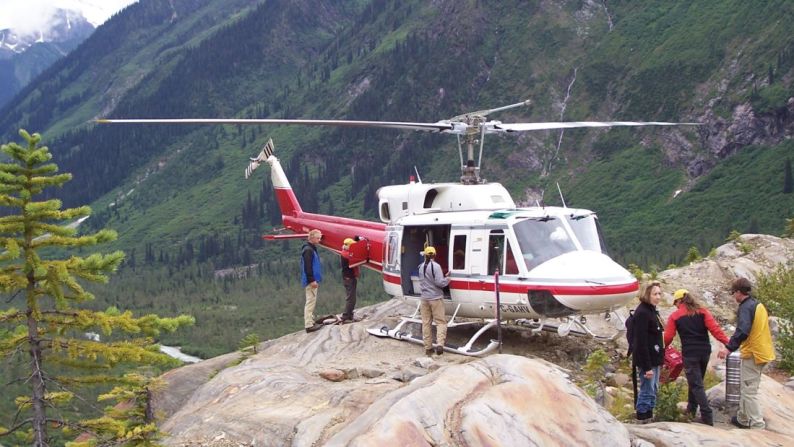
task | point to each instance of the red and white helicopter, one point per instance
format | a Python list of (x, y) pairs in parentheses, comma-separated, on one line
[(550, 263)]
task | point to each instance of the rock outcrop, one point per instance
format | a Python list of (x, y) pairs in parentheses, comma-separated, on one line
[(341, 386)]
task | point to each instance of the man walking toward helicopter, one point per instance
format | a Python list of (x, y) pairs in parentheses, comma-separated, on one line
[(432, 282)]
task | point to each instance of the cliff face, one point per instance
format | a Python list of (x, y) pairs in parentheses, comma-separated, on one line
[(341, 386)]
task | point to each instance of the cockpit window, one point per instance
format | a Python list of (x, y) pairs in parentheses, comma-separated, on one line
[(541, 239), (588, 231)]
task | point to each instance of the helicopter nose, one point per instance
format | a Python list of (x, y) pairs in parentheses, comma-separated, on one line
[(582, 266), (586, 281)]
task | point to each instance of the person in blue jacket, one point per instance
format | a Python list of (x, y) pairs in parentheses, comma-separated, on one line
[(311, 276)]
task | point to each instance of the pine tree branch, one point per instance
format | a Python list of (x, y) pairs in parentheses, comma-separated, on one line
[(16, 427)]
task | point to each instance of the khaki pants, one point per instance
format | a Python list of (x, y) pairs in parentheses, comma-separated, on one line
[(433, 310), (308, 310), (749, 410)]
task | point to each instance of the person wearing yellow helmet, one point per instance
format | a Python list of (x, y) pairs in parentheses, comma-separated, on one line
[(432, 282), (693, 322), (349, 279)]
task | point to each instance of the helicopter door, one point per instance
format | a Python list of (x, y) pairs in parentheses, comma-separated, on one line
[(391, 262), (414, 241), (460, 260), (488, 256)]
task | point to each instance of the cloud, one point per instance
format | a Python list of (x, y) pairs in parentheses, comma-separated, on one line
[(29, 17)]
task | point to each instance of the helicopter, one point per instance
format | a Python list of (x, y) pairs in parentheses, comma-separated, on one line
[(529, 265)]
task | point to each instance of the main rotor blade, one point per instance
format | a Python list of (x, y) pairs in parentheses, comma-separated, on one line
[(521, 127), (429, 127)]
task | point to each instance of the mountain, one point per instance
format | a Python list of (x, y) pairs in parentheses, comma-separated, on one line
[(184, 213), (24, 55)]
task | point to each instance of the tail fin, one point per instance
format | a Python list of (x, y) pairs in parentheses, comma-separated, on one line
[(266, 152), (287, 201)]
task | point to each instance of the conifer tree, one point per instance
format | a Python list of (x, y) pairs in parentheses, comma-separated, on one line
[(50, 326)]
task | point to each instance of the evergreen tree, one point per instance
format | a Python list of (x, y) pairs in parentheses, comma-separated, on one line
[(787, 182), (50, 325)]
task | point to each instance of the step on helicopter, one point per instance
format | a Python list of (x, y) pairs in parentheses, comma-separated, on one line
[(546, 266)]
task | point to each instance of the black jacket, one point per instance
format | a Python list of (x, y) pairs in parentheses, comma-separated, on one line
[(648, 345)]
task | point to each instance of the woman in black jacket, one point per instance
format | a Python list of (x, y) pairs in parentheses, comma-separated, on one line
[(648, 349)]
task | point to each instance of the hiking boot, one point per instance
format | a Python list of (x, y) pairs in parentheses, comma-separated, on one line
[(735, 422), (316, 327), (645, 417), (706, 420), (439, 350), (428, 352), (692, 410)]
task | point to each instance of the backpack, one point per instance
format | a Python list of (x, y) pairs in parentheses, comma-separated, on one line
[(630, 332), (630, 339)]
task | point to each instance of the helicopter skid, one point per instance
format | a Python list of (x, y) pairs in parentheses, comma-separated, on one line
[(570, 327), (468, 349)]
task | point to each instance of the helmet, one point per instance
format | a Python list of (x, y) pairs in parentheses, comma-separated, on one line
[(679, 294), (430, 251), (348, 241)]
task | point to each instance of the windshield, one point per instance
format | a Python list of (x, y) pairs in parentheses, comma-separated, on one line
[(542, 239), (587, 230)]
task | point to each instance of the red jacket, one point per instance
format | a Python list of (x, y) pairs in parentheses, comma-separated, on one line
[(344, 262), (693, 330)]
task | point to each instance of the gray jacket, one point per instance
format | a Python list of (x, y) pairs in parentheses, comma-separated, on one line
[(432, 281)]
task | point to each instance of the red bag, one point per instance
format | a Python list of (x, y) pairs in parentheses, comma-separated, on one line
[(673, 364)]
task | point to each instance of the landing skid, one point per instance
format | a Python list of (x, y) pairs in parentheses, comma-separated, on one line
[(398, 333), (571, 326)]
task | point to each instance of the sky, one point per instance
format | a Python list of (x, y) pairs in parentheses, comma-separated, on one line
[(27, 17)]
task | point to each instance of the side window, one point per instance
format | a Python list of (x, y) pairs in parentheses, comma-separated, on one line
[(392, 253), (459, 252), (511, 267), (496, 249)]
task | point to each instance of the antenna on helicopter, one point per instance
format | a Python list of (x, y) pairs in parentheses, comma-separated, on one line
[(418, 178), (561, 197)]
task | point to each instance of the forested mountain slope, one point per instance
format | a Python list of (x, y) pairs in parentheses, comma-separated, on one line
[(178, 199)]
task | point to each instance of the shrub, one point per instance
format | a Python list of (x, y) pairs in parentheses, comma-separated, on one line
[(636, 271), (776, 291), (693, 255), (594, 374), (248, 343), (789, 231), (667, 401)]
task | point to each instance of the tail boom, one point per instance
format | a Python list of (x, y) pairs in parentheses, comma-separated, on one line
[(335, 229)]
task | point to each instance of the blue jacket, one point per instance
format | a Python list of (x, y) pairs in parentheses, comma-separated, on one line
[(311, 270)]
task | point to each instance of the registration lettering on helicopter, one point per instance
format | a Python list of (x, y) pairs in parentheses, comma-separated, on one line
[(514, 308)]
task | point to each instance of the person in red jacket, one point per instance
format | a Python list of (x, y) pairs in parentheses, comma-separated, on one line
[(693, 322), (350, 276)]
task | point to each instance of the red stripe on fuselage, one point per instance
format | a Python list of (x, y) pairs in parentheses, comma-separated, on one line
[(524, 288)]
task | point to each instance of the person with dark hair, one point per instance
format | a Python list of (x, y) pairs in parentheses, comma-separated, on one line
[(432, 282), (693, 322), (754, 340), (647, 349)]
